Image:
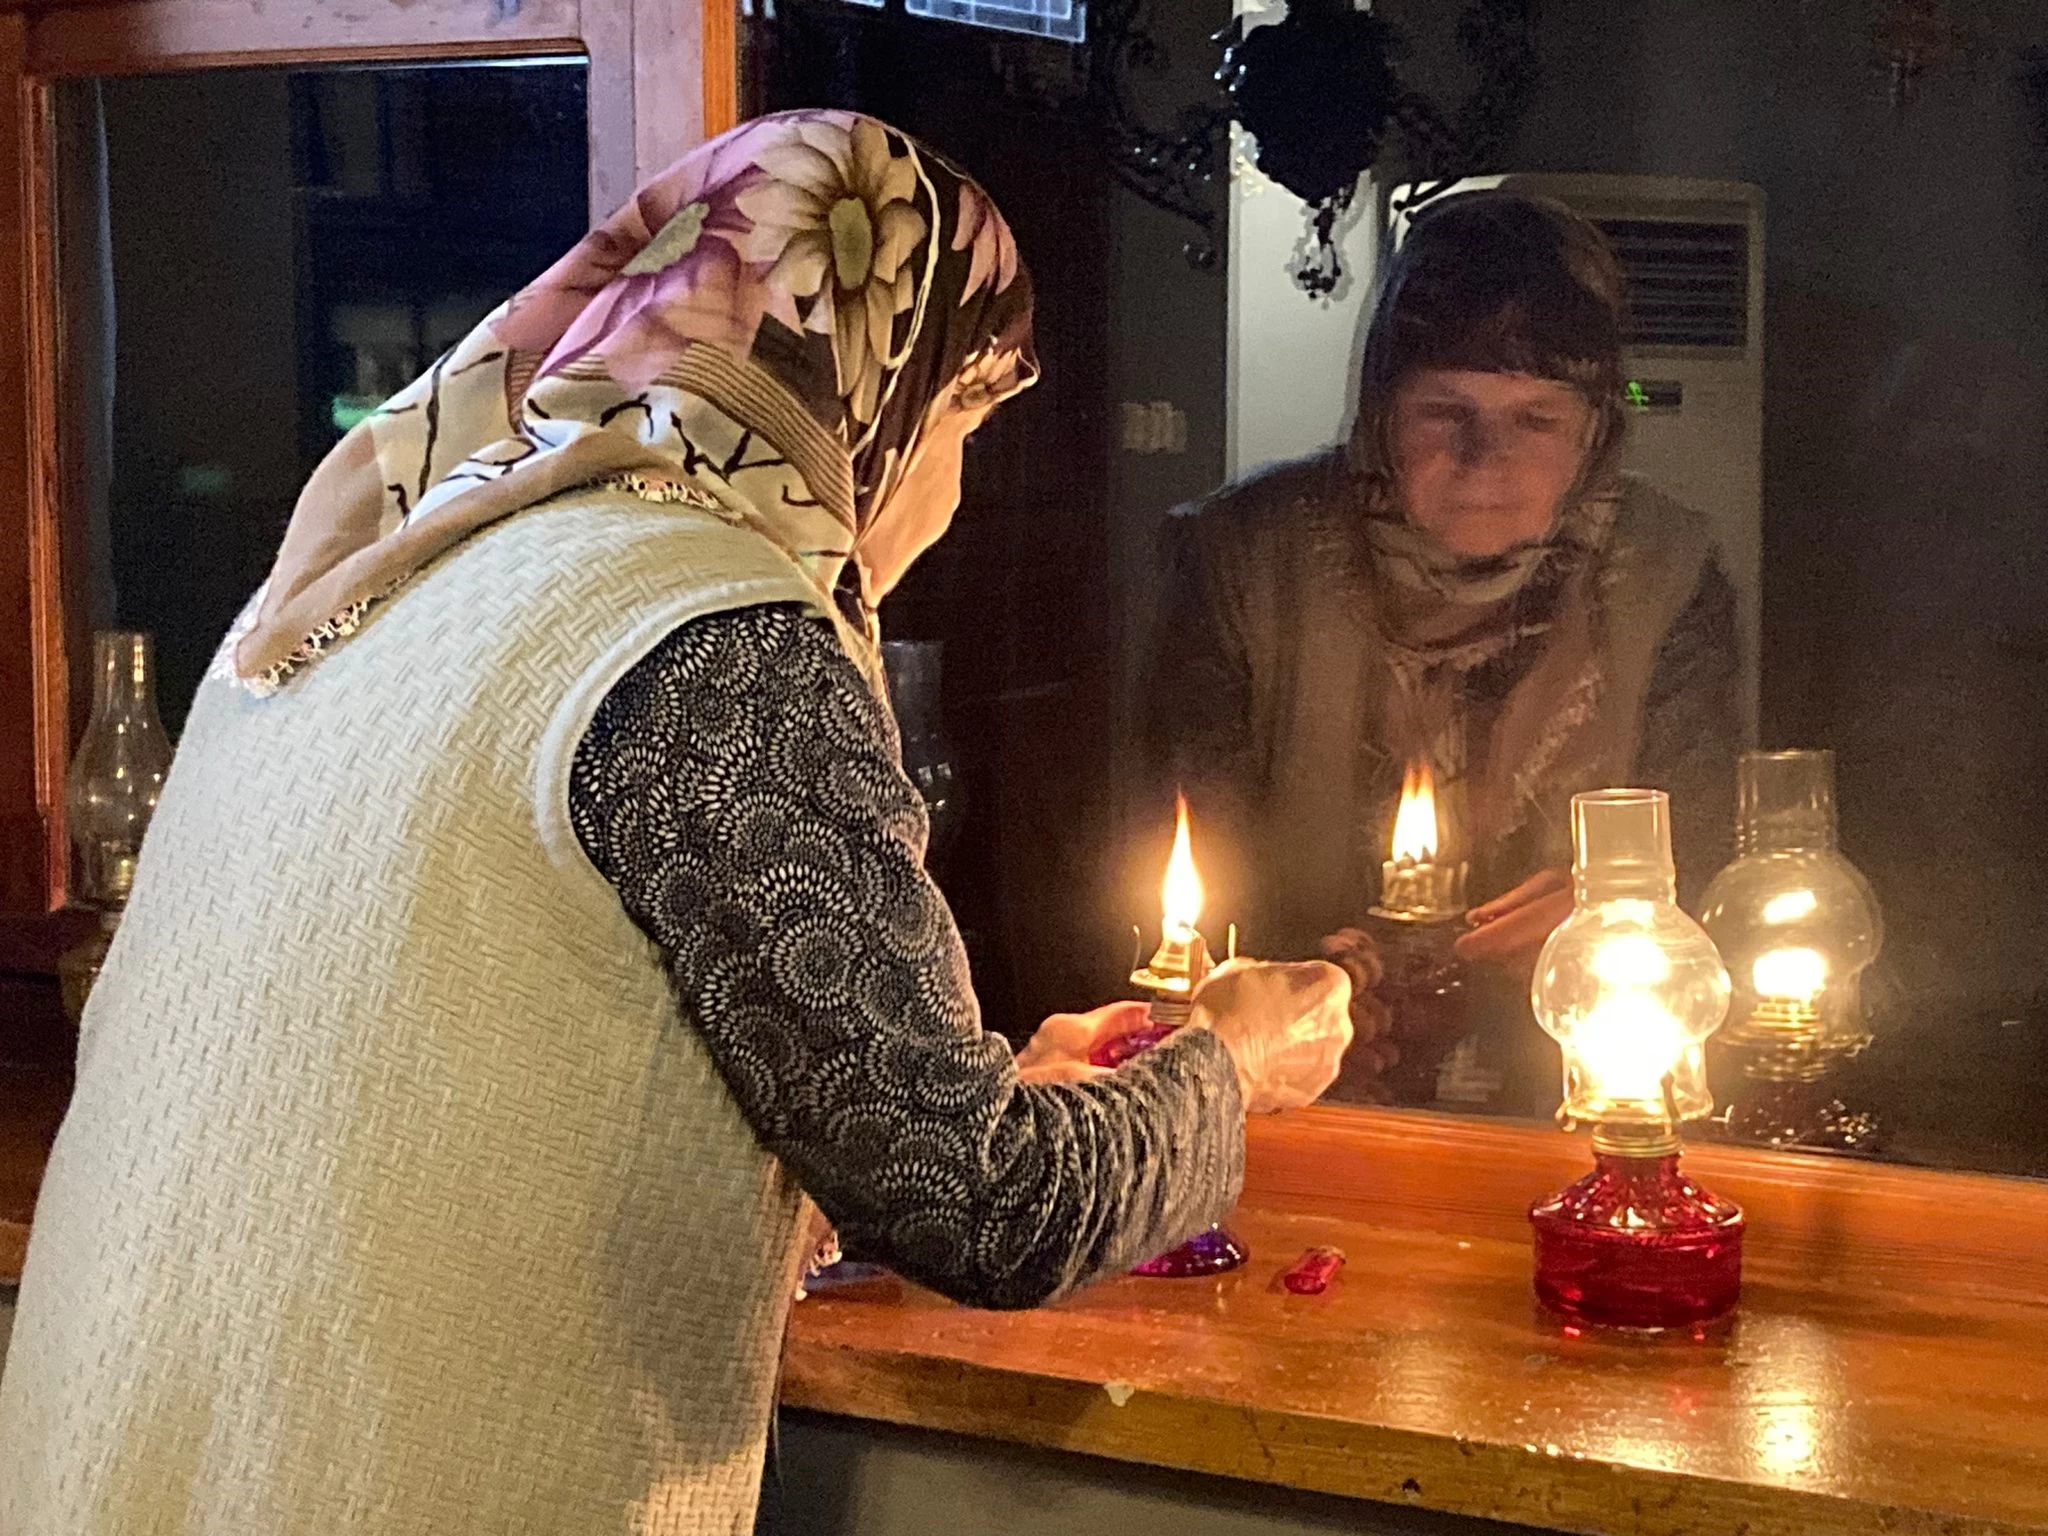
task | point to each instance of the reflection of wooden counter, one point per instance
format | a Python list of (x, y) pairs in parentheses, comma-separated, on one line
[(1874, 1380)]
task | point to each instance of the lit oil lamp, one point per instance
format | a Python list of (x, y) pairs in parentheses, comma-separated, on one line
[(1177, 967), (1798, 925), (1630, 988), (1181, 961), (1415, 923), (1420, 883)]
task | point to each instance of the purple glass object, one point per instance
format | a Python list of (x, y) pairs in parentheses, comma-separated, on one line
[(1213, 1252), (1637, 1244), (1118, 1049), (1206, 1253)]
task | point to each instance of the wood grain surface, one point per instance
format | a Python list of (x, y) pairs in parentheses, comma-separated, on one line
[(1888, 1370)]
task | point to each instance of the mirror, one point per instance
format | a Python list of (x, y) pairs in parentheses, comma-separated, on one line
[(1834, 366), (254, 259)]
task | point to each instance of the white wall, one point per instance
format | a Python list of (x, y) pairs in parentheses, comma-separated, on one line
[(1291, 361)]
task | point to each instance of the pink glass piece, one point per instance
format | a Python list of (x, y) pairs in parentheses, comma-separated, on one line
[(1206, 1253), (1313, 1271), (1637, 1244)]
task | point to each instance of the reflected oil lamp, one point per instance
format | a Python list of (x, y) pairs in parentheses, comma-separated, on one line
[(1798, 925), (1177, 967), (1415, 924), (116, 777), (1630, 988)]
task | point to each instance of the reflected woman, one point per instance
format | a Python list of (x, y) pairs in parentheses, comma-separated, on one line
[(1470, 582)]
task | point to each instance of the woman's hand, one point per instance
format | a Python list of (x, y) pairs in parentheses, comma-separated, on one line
[(1509, 930), (1372, 1049), (1058, 1052), (1287, 1027)]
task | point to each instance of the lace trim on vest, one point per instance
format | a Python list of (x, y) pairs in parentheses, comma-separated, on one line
[(655, 488)]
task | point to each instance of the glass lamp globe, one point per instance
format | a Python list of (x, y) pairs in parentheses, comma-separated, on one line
[(116, 778), (1630, 988), (1798, 925)]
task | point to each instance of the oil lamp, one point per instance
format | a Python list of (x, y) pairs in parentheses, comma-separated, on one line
[(116, 777), (1181, 961), (1177, 967), (1798, 925), (1415, 923), (1630, 988)]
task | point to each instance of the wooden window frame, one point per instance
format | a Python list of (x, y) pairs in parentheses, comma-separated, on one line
[(662, 77)]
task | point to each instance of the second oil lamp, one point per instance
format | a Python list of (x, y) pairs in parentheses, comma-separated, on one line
[(1630, 988), (1177, 967), (1798, 925), (1415, 923)]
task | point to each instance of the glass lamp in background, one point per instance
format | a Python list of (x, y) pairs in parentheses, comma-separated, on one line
[(1415, 924), (1630, 988), (116, 777), (1798, 925)]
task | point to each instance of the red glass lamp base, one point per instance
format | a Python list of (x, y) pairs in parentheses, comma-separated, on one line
[(1637, 1244), (1213, 1252)]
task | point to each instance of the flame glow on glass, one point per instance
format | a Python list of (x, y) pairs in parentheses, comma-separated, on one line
[(1631, 960), (1790, 906), (1181, 895), (1797, 973), (1415, 831)]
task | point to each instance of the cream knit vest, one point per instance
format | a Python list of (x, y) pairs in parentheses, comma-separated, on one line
[(395, 1197)]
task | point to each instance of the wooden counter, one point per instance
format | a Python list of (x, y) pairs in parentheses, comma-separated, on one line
[(1888, 1370)]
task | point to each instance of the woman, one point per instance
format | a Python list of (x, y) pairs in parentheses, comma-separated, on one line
[(408, 1188), (1467, 582)]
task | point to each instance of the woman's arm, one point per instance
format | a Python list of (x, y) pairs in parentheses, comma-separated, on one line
[(1692, 730), (741, 789)]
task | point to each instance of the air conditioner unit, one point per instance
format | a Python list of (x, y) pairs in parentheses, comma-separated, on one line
[(1694, 349)]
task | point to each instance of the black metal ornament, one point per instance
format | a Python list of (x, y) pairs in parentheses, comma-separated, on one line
[(1321, 95), (1316, 90)]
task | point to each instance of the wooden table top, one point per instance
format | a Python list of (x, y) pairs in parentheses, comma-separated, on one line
[(1880, 1376)]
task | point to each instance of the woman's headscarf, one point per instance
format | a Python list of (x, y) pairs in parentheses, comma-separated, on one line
[(773, 323)]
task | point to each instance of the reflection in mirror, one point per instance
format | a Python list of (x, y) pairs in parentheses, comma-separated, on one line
[(1685, 393), (253, 260)]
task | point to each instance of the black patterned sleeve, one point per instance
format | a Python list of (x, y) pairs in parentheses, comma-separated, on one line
[(741, 789)]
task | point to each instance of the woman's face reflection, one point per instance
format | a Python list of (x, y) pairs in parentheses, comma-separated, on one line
[(1485, 459)]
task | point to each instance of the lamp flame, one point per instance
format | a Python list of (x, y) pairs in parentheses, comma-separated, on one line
[(1181, 895), (1628, 1042), (1415, 825), (1797, 974)]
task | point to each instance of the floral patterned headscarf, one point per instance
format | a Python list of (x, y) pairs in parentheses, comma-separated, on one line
[(772, 324)]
